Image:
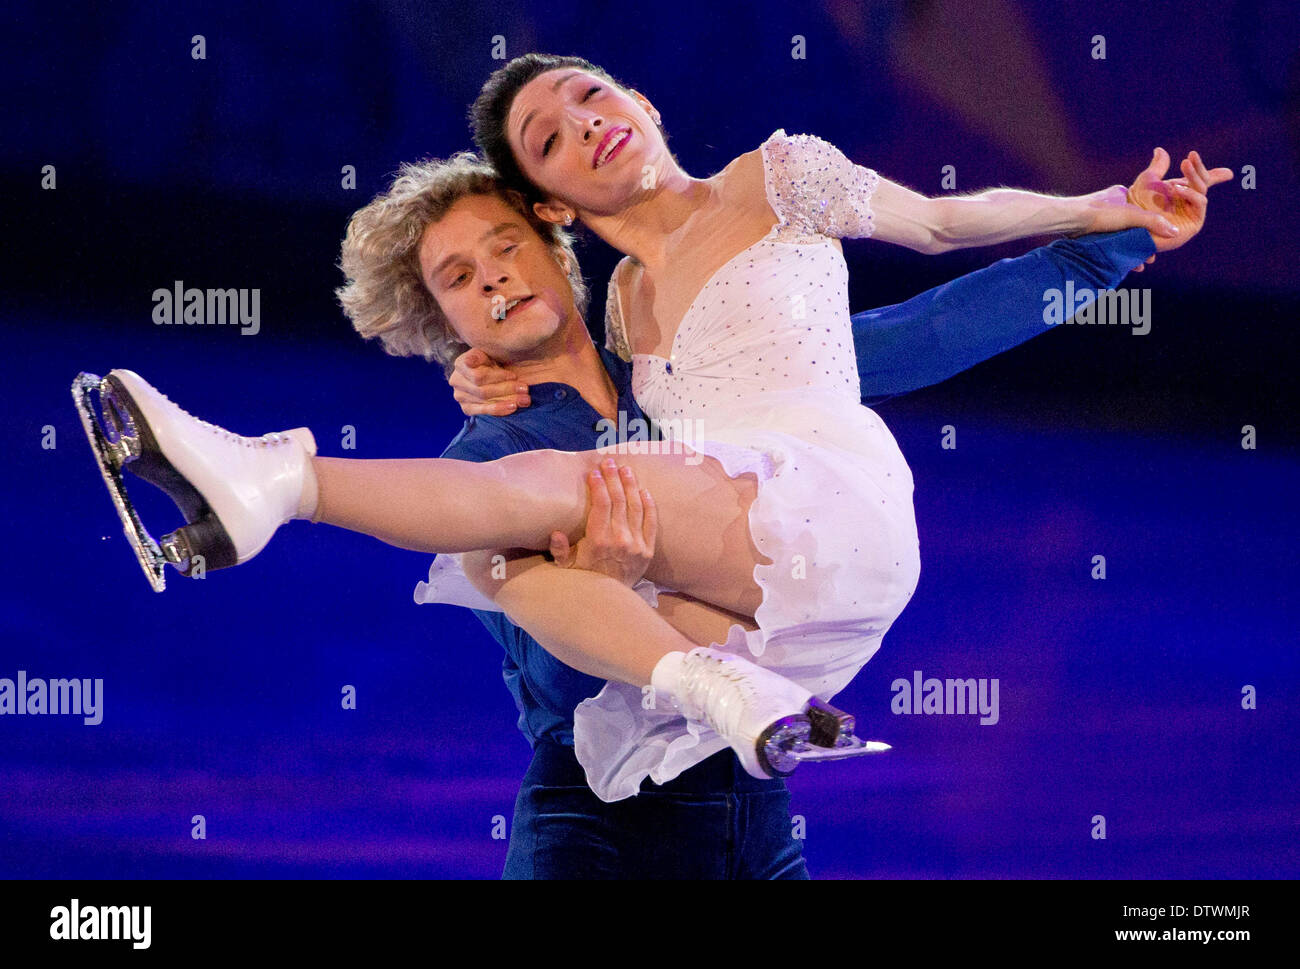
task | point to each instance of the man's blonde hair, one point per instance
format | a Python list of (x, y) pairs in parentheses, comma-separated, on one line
[(385, 295)]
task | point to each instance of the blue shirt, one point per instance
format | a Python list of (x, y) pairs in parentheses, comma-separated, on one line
[(903, 347), (545, 690)]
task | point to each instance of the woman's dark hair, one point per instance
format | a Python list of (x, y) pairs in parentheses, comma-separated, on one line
[(491, 109)]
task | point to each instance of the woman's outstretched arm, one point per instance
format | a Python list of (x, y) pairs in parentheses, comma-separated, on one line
[(938, 225), (821, 190)]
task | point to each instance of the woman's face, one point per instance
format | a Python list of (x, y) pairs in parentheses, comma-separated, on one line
[(585, 142)]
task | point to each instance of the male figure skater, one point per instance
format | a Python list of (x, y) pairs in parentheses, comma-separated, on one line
[(714, 820)]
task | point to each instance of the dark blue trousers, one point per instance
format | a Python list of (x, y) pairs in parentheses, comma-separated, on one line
[(712, 822)]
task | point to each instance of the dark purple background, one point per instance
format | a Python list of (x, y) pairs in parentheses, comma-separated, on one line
[(1119, 698)]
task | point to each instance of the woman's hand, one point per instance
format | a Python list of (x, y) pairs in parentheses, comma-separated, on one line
[(481, 386), (621, 528), (1180, 200), (1140, 206), (1111, 211)]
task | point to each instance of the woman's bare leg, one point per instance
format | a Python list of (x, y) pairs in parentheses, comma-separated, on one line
[(698, 621), (591, 622), (436, 505)]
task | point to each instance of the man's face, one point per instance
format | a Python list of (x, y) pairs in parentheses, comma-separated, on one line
[(497, 281)]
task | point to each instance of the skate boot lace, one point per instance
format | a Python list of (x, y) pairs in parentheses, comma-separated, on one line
[(717, 692), (273, 439)]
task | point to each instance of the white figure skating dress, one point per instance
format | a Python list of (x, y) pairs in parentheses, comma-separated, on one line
[(763, 365)]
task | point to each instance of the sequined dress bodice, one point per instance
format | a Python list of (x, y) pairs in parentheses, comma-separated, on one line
[(772, 322)]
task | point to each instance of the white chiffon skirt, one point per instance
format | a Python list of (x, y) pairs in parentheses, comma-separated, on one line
[(834, 515)]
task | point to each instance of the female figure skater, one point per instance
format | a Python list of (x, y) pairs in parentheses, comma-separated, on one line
[(732, 308), (799, 515)]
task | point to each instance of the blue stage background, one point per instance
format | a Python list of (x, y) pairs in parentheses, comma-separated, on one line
[(1120, 697)]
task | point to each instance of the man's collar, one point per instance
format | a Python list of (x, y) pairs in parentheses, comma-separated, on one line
[(553, 393)]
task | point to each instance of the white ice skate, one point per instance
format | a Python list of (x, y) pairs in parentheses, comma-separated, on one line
[(771, 722), (234, 491)]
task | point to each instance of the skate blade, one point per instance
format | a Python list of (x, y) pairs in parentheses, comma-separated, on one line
[(823, 733), (113, 447), (789, 747), (845, 747)]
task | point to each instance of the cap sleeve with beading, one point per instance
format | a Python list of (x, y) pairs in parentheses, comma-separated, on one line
[(814, 188), (615, 330)]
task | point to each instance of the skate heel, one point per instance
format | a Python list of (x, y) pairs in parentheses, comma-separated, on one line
[(777, 743), (823, 733), (203, 540), (828, 723)]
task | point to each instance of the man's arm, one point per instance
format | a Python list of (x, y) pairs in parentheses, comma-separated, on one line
[(618, 545), (952, 327), (955, 326)]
